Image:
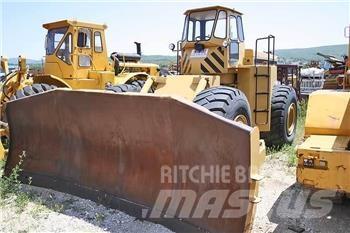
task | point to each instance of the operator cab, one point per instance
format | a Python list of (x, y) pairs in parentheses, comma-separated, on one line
[(73, 48), (210, 28), (207, 24)]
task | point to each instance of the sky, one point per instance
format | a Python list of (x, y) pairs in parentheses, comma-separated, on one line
[(296, 24)]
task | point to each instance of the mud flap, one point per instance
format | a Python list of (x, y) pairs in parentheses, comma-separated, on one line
[(127, 151)]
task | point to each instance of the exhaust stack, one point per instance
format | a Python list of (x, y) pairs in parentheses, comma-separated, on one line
[(138, 48)]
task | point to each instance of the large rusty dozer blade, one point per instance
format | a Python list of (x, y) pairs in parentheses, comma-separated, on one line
[(114, 148)]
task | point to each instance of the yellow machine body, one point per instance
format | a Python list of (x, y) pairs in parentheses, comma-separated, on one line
[(227, 58), (324, 157)]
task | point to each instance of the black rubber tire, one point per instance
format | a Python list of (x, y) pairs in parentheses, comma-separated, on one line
[(36, 88), (134, 86), (282, 97), (225, 101)]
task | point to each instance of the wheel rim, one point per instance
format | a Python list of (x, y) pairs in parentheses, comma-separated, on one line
[(242, 119), (291, 119)]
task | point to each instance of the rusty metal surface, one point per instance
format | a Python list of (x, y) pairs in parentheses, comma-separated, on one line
[(110, 148)]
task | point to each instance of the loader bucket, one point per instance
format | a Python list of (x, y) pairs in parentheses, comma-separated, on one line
[(125, 151)]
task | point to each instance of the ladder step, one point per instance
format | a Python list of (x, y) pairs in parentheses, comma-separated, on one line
[(262, 93), (265, 110), (262, 75)]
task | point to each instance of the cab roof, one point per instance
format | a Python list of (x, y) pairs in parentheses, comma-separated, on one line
[(74, 23), (213, 8)]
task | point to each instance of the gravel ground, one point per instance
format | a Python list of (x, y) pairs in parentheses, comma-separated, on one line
[(281, 209), (53, 211)]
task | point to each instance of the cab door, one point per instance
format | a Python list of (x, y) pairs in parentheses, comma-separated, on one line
[(58, 46), (236, 40), (99, 54), (84, 52), (64, 53)]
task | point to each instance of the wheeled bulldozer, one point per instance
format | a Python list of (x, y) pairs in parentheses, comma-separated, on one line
[(323, 158), (114, 146), (220, 74)]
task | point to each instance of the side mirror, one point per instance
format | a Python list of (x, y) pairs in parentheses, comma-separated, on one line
[(172, 47), (82, 39)]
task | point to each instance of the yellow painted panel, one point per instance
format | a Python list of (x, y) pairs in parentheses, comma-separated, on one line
[(325, 143), (328, 113), (331, 160), (84, 83), (184, 86)]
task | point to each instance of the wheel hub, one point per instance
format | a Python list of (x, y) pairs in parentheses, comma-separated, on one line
[(242, 119), (291, 119)]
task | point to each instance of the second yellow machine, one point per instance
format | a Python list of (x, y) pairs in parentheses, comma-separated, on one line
[(220, 74), (324, 156)]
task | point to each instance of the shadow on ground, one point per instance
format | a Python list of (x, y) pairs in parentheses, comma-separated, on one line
[(301, 210)]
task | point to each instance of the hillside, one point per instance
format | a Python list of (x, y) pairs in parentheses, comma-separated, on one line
[(311, 53), (298, 54), (301, 54), (159, 59), (14, 61)]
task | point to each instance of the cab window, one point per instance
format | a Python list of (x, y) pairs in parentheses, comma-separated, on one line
[(233, 28), (84, 38), (65, 50), (200, 25), (53, 39), (84, 61), (220, 29), (240, 28), (98, 42), (185, 29)]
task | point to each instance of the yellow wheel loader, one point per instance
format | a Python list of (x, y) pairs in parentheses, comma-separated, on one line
[(220, 74), (76, 57), (176, 153), (324, 156)]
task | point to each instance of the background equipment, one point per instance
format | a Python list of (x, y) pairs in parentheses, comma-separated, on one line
[(324, 157)]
